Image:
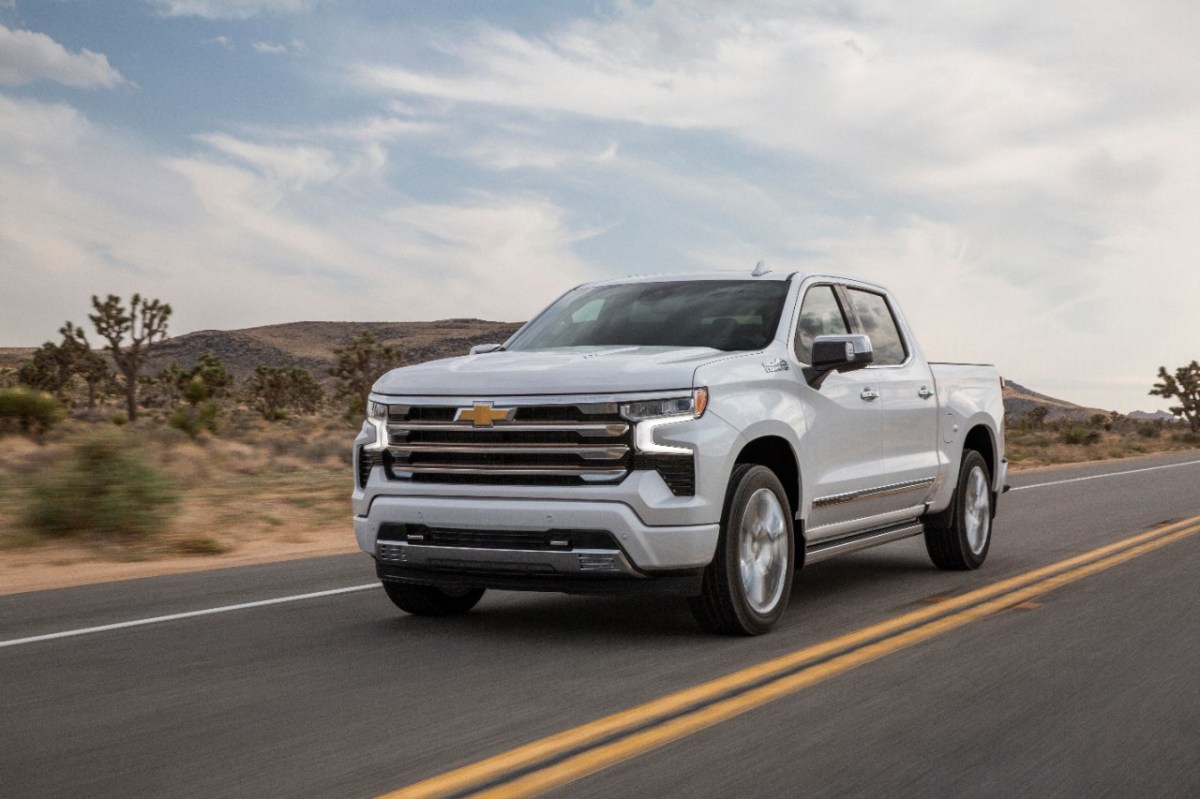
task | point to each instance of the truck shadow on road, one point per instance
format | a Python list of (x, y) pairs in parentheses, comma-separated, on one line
[(516, 615)]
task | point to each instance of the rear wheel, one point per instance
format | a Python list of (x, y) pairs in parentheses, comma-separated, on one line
[(428, 600), (959, 537), (747, 585)]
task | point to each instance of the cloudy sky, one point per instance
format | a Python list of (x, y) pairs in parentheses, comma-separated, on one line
[(1024, 175)]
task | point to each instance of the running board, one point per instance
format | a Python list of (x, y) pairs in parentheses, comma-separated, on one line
[(852, 543)]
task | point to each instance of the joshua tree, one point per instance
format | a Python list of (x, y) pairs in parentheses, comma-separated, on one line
[(86, 362), (53, 367), (142, 324), (274, 389), (358, 366), (211, 371), (1184, 386)]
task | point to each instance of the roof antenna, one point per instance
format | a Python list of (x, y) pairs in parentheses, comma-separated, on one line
[(760, 269)]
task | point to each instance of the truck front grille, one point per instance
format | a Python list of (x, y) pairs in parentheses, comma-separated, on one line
[(539, 445)]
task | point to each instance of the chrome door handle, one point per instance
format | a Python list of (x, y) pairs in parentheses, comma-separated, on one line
[(925, 392), (869, 394)]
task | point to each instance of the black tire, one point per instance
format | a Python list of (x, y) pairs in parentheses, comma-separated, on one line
[(428, 600), (959, 537), (724, 605)]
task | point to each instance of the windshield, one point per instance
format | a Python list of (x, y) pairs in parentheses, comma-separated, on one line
[(722, 314)]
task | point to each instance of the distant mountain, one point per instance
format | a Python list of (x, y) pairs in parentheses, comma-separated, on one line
[(1153, 416), (13, 357), (1019, 401), (310, 345)]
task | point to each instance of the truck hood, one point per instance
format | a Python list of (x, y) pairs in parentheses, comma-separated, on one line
[(577, 370)]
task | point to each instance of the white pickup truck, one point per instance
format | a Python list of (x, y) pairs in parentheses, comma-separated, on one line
[(701, 435)]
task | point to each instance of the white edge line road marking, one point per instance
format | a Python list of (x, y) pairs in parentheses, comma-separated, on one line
[(353, 588), (189, 614), (1102, 476)]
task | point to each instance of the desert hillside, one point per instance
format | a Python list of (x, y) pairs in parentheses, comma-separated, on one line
[(1019, 401), (310, 345)]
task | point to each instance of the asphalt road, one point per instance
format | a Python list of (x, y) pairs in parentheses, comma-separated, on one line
[(1090, 689)]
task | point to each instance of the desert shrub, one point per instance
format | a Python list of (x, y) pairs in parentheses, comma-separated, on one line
[(28, 412), (1074, 434), (195, 419), (120, 419), (104, 487), (1148, 430), (203, 545), (1191, 439)]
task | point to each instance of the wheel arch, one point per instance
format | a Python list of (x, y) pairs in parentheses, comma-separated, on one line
[(980, 439), (776, 454)]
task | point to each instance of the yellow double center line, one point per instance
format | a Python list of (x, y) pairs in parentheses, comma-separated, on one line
[(559, 759)]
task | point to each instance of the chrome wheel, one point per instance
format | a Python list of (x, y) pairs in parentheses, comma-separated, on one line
[(763, 551), (959, 536), (977, 511)]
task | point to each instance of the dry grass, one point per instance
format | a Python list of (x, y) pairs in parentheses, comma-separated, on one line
[(1033, 448), (275, 489)]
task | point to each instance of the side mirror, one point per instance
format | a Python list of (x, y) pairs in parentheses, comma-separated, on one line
[(480, 349), (837, 354)]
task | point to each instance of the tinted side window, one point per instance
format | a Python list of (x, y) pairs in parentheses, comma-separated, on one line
[(820, 315), (878, 323)]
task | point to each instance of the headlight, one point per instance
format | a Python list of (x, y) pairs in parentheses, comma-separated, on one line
[(652, 414), (692, 405), (377, 415), (376, 410)]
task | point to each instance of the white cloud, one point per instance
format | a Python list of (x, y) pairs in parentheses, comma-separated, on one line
[(26, 57), (230, 9), (273, 48), (244, 232), (296, 166), (221, 41)]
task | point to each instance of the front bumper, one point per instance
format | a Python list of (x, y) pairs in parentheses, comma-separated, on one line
[(644, 548)]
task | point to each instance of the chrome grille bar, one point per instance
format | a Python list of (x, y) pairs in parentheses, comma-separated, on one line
[(587, 453), (614, 430), (517, 471)]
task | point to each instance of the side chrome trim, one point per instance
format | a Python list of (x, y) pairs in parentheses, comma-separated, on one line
[(852, 543), (873, 493)]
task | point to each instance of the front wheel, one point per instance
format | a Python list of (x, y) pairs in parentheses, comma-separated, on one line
[(747, 585), (959, 537), (428, 600)]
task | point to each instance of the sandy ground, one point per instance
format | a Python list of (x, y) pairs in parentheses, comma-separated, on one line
[(61, 565)]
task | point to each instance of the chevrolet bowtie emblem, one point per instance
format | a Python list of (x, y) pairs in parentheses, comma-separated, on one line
[(483, 415)]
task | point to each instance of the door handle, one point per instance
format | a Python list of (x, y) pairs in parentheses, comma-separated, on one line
[(925, 392), (869, 394)]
